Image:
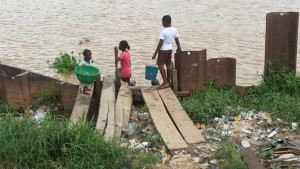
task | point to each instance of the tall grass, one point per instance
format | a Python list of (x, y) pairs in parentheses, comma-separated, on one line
[(53, 144), (278, 94), (211, 102)]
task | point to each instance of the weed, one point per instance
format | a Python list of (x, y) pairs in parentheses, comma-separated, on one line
[(231, 155), (46, 98), (142, 109), (154, 138), (210, 102), (65, 63)]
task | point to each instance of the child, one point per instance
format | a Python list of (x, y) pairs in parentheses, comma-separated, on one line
[(125, 62), (87, 60), (164, 49)]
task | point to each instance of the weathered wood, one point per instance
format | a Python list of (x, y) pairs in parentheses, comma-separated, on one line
[(162, 121), (110, 128), (123, 108), (82, 104), (106, 101), (174, 80), (251, 160), (182, 121)]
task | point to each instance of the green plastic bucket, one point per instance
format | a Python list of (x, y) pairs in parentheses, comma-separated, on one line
[(86, 74), (151, 72)]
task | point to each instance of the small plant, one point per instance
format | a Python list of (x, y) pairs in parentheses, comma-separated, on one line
[(142, 109), (231, 155), (65, 63), (46, 98), (154, 138), (4, 107)]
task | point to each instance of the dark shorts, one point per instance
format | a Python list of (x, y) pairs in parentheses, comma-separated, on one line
[(164, 57), (125, 79)]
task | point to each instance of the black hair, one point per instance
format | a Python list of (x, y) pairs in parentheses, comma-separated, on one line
[(124, 43), (167, 18), (86, 51)]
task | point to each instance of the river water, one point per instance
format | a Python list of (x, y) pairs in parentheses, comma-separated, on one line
[(34, 31)]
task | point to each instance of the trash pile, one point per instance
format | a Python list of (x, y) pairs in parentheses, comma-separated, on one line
[(275, 141)]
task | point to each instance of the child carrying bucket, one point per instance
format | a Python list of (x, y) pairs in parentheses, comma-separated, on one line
[(125, 62), (164, 49)]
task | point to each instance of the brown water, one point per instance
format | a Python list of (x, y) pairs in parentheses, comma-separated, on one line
[(34, 31)]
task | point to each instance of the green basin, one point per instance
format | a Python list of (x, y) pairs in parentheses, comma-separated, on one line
[(86, 74)]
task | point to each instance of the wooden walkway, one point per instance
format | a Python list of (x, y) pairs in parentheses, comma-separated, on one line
[(82, 104), (123, 109), (171, 121), (106, 117), (181, 120), (162, 120)]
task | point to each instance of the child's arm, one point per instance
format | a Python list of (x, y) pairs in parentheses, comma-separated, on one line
[(178, 44), (157, 48)]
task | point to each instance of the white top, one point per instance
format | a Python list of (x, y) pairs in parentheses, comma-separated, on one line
[(83, 62), (168, 34)]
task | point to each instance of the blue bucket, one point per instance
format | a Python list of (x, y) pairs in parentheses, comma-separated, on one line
[(151, 72)]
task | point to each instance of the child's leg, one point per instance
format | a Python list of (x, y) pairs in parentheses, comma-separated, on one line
[(162, 60)]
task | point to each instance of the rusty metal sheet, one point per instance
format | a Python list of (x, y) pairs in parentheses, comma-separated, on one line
[(190, 67), (281, 39), (17, 90), (67, 95), (222, 70)]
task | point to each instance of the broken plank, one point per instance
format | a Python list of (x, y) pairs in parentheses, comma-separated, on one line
[(82, 104), (182, 121), (110, 97), (162, 121), (123, 108), (104, 103)]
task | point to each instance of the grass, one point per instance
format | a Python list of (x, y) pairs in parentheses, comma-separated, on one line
[(46, 98), (211, 102), (278, 94), (231, 156), (55, 145)]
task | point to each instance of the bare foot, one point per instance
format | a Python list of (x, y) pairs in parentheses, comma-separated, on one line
[(162, 86)]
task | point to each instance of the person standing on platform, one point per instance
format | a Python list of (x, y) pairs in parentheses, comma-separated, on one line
[(164, 49)]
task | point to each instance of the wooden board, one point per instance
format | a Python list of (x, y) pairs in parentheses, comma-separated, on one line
[(182, 121), (162, 121), (123, 108), (82, 104), (106, 105)]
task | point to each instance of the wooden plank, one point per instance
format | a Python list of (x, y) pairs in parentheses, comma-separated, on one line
[(104, 103), (110, 97), (251, 160), (182, 121), (82, 104), (162, 121), (174, 80), (123, 108)]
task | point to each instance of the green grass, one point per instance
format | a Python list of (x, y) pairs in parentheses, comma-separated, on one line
[(231, 156), (278, 94), (53, 144), (211, 102), (46, 98)]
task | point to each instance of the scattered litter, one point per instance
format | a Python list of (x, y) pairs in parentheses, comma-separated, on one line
[(245, 144)]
